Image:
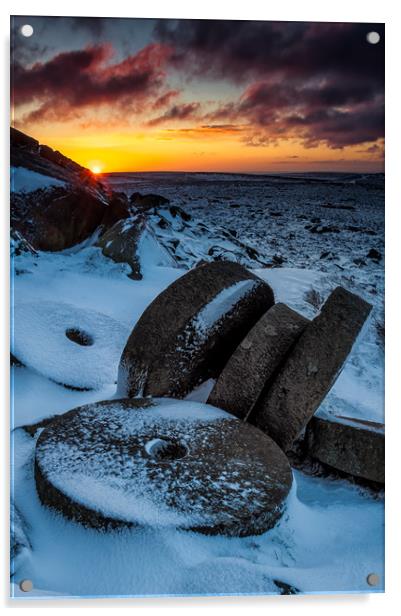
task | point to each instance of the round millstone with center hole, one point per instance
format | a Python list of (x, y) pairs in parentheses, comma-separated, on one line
[(163, 463), (83, 346)]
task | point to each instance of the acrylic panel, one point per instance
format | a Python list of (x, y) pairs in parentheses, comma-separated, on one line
[(197, 298)]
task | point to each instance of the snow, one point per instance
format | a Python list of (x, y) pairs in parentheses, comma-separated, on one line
[(35, 397), (329, 540), (201, 392), (331, 536), (220, 305), (25, 180), (151, 252), (190, 412)]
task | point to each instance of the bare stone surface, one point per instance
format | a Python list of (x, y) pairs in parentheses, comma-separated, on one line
[(166, 463), (145, 202), (190, 330), (348, 444), (311, 369), (256, 360)]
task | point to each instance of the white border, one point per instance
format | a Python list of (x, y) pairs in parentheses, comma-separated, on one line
[(307, 10)]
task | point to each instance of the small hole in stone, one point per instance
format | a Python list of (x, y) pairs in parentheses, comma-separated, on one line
[(165, 448), (79, 336)]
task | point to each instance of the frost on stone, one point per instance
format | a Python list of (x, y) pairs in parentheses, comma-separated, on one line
[(72, 346), (162, 463), (209, 318)]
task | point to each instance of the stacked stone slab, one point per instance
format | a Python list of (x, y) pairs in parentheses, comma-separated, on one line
[(190, 330), (161, 463), (310, 370), (351, 445), (256, 360)]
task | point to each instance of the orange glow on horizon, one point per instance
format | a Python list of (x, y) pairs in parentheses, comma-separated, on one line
[(197, 149)]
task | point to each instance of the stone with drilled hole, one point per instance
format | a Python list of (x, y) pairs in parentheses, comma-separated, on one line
[(256, 360), (162, 463), (353, 446), (82, 347), (311, 368), (190, 330)]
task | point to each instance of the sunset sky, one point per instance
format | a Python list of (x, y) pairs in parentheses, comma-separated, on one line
[(189, 95)]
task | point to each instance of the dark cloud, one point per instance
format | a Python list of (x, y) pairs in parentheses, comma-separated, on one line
[(73, 80), (321, 82), (176, 112), (273, 112), (164, 100), (297, 49), (323, 113), (316, 82)]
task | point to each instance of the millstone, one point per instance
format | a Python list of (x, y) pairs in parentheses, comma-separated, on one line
[(256, 360), (310, 370), (161, 462), (351, 445), (82, 346), (190, 330)]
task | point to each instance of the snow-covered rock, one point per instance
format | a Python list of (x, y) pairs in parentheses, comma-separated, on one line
[(19, 244), (56, 203), (72, 346), (26, 180), (190, 330), (133, 241), (351, 445), (161, 463), (190, 241)]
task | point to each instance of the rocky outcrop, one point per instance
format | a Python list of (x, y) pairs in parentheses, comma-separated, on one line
[(190, 241), (256, 360), (55, 217), (161, 463), (134, 242), (311, 369), (120, 243), (190, 330), (145, 202), (351, 445), (28, 153)]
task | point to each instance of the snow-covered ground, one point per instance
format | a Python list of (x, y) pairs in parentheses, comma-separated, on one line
[(331, 536)]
